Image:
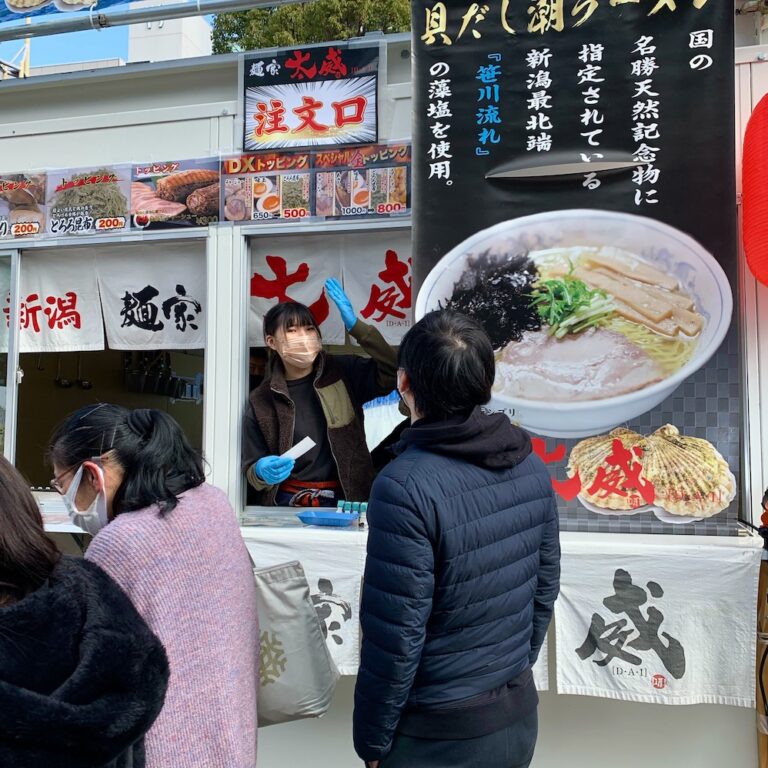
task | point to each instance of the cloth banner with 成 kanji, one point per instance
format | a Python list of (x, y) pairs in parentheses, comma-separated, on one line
[(154, 302), (295, 269), (59, 308), (373, 267), (377, 279), (665, 623)]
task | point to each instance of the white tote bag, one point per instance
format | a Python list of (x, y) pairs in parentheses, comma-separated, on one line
[(297, 675)]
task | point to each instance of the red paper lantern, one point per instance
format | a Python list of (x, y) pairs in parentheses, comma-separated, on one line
[(754, 185)]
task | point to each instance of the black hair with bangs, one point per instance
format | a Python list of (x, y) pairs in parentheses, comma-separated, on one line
[(287, 314)]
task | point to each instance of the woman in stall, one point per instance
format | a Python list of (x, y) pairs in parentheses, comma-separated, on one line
[(308, 393), (82, 677), (172, 542)]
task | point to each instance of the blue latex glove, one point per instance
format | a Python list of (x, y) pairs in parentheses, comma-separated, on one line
[(274, 469), (344, 305)]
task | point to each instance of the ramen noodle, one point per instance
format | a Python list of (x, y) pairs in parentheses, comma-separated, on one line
[(579, 323)]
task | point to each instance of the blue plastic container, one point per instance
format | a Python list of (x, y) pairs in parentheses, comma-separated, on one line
[(327, 517)]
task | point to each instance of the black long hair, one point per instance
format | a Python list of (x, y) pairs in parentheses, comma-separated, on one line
[(27, 555), (157, 459)]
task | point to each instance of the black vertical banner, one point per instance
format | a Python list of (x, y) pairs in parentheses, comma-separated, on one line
[(510, 85), (617, 106)]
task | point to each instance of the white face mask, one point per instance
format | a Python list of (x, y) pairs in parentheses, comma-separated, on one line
[(93, 519), (300, 350)]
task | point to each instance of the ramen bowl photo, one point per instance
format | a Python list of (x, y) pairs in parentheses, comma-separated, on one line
[(595, 316)]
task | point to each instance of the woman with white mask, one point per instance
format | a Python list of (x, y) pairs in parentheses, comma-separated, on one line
[(172, 542), (308, 393)]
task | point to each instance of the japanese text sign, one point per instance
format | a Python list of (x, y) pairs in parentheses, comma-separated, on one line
[(560, 149), (59, 309), (287, 269), (650, 624), (312, 96), (152, 303), (570, 104), (377, 278), (375, 270)]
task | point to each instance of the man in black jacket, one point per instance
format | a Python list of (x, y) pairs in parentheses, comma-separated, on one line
[(462, 572)]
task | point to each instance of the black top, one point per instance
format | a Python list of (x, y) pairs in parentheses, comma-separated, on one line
[(317, 464), (82, 677)]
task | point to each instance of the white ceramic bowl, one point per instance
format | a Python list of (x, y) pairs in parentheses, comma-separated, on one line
[(667, 248)]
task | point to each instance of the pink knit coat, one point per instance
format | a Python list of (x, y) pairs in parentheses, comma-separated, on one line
[(189, 576)]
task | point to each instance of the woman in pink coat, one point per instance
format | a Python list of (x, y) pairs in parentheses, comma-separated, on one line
[(172, 542)]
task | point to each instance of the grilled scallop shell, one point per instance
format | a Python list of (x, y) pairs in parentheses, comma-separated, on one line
[(689, 476), (589, 455)]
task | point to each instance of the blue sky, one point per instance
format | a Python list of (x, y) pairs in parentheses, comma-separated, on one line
[(91, 45), (74, 46)]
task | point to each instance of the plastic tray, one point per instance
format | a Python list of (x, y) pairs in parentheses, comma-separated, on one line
[(337, 519)]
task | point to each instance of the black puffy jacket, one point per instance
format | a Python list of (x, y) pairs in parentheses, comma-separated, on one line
[(462, 572), (82, 677)]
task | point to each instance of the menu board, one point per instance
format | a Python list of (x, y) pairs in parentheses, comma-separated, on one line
[(169, 195), (576, 195), (366, 181), (362, 182), (266, 186), (22, 205), (88, 200), (314, 96), (354, 182)]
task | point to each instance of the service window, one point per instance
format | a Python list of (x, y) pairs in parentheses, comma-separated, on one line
[(374, 268)]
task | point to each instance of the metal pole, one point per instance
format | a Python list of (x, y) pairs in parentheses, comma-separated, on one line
[(94, 19)]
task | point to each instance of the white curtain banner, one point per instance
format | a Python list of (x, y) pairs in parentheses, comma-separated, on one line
[(294, 269), (154, 298), (334, 582), (59, 304), (658, 623), (377, 278)]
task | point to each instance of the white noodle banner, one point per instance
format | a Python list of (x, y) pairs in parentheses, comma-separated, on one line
[(152, 302), (658, 623), (294, 269), (59, 305), (377, 278)]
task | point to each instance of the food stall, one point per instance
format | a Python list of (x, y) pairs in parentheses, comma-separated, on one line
[(138, 118)]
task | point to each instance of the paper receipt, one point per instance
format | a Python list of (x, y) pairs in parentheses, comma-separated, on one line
[(307, 444)]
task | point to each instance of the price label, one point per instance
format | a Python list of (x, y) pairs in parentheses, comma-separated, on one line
[(22, 228), (260, 215), (295, 213), (115, 222), (355, 210), (70, 224), (389, 207)]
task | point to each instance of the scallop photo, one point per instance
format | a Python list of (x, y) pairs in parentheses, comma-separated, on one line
[(595, 316)]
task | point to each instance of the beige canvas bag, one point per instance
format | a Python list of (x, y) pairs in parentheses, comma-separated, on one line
[(297, 675)]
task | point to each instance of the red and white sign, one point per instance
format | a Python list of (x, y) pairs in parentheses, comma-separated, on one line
[(313, 96), (59, 308), (377, 278), (374, 268), (294, 269)]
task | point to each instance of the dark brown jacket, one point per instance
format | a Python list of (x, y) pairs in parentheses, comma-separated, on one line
[(342, 383)]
